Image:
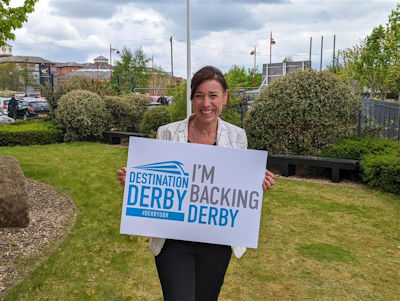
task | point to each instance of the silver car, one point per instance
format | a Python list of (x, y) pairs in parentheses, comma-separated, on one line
[(4, 119), (4, 103)]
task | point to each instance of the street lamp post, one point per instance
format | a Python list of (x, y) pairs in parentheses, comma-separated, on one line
[(152, 72), (111, 50), (254, 52), (10, 88)]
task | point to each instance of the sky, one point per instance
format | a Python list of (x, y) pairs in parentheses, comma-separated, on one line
[(223, 32)]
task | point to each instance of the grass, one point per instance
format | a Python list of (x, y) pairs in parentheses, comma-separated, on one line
[(317, 242)]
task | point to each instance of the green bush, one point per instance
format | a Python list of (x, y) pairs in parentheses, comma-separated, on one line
[(302, 112), (177, 110), (232, 111), (357, 147), (27, 133), (379, 160), (153, 119), (127, 111), (82, 115), (75, 83), (382, 172)]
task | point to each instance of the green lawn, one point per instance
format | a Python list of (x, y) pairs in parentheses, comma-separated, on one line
[(317, 242)]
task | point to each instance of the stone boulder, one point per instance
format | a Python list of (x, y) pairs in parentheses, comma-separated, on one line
[(13, 194)]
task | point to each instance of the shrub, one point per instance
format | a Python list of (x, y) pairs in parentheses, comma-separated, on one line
[(379, 160), (75, 83), (27, 133), (82, 115), (357, 147), (232, 111), (127, 111), (301, 112), (382, 172), (153, 119), (177, 110)]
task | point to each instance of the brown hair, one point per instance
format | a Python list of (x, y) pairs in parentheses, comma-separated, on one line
[(207, 73)]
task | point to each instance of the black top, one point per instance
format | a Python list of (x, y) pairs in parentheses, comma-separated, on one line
[(215, 143)]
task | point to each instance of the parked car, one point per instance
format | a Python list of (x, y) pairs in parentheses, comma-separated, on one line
[(38, 108), (4, 119), (31, 109)]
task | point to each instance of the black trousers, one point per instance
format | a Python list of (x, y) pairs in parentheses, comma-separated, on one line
[(192, 271)]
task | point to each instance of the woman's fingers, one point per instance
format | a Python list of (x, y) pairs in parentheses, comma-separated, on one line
[(121, 175), (268, 181)]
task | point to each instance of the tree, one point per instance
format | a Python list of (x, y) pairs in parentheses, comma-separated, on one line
[(392, 45), (25, 75), (178, 110), (237, 77), (161, 80), (374, 64), (9, 77), (12, 18), (287, 59), (131, 65)]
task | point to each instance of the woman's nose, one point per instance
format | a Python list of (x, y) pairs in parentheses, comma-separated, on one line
[(207, 100)]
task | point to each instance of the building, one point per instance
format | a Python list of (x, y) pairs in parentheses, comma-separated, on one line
[(68, 67), (100, 69), (272, 71), (6, 50), (39, 68)]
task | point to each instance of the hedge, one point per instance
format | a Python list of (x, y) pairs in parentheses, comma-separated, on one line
[(153, 119), (126, 111), (357, 147), (379, 160), (30, 132), (382, 172)]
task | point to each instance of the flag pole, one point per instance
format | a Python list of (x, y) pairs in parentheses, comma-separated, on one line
[(255, 55), (270, 48), (188, 72)]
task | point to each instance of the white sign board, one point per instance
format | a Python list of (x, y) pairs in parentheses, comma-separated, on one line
[(193, 192)]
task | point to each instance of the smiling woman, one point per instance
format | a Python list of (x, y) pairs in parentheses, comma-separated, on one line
[(192, 270)]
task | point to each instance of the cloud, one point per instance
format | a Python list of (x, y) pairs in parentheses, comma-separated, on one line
[(223, 31), (77, 9)]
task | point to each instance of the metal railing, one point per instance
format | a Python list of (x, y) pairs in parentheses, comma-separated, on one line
[(377, 118)]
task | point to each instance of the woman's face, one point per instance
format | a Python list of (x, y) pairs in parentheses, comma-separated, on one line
[(208, 100)]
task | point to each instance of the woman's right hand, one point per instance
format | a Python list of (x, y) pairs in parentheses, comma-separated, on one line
[(121, 175)]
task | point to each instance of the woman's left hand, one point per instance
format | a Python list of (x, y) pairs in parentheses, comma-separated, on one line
[(268, 181)]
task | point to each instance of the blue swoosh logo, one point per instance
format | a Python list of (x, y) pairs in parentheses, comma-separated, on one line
[(171, 167)]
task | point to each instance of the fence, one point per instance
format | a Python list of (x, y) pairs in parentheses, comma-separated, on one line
[(377, 118)]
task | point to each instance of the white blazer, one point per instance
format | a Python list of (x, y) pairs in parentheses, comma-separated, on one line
[(228, 135)]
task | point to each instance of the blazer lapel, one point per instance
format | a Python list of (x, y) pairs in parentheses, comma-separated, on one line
[(222, 135), (182, 132)]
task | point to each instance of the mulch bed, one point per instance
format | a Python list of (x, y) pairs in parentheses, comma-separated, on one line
[(52, 214)]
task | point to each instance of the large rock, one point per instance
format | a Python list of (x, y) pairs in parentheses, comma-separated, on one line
[(13, 194)]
